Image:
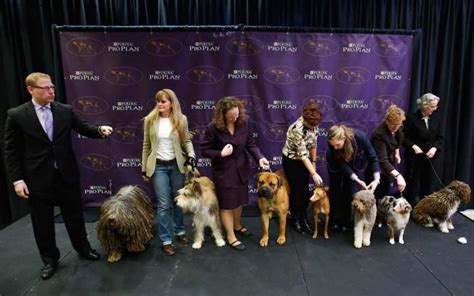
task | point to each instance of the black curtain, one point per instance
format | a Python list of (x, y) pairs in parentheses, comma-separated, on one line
[(446, 62)]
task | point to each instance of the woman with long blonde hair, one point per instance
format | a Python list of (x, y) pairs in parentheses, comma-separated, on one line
[(350, 157), (167, 147)]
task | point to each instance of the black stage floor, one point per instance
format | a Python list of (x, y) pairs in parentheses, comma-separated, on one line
[(430, 263)]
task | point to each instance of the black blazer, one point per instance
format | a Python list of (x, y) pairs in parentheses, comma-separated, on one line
[(385, 145), (416, 132), (30, 155), (364, 155)]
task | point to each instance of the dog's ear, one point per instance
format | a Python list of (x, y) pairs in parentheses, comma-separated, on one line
[(197, 187), (280, 182), (258, 177)]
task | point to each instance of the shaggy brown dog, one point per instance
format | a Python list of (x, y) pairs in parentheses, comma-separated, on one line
[(126, 222), (365, 212), (273, 190), (396, 213), (438, 207), (320, 202), (199, 197)]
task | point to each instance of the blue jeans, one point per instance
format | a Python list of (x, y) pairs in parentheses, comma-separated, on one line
[(167, 180)]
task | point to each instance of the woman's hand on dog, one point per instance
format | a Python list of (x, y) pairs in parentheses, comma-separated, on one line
[(227, 150), (401, 184), (373, 185), (361, 183), (317, 179)]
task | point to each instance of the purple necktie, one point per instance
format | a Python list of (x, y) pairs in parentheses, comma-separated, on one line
[(47, 117)]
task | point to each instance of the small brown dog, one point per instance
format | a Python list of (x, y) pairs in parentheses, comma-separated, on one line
[(273, 190), (320, 202)]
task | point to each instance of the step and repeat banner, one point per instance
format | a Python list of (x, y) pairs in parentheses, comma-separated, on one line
[(111, 77)]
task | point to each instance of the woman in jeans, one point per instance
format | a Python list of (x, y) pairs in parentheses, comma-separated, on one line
[(166, 147)]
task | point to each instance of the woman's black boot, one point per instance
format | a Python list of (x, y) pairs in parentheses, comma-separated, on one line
[(294, 221)]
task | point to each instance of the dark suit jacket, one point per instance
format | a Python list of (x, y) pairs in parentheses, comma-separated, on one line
[(385, 145), (364, 155), (30, 155), (234, 169), (416, 132)]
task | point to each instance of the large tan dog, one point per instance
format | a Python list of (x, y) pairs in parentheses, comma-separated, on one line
[(273, 190)]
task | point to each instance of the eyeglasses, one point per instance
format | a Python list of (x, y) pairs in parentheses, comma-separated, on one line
[(45, 87)]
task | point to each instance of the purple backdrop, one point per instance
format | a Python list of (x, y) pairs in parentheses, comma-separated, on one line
[(111, 78)]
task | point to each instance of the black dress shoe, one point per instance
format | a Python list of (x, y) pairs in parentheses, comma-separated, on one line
[(92, 255), (303, 221), (48, 270), (295, 224)]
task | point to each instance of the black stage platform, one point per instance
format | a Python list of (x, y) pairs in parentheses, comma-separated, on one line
[(430, 263)]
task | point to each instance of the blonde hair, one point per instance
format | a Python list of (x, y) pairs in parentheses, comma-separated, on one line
[(178, 122), (32, 78), (224, 105), (342, 132), (394, 115)]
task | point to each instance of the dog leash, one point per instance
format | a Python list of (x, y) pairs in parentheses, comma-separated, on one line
[(435, 173), (260, 169)]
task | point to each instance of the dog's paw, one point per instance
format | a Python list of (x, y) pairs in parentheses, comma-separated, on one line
[(391, 241), (428, 225), (366, 243), (326, 236), (358, 245), (220, 242), (401, 241), (444, 230), (281, 240), (450, 226), (315, 235), (264, 242), (114, 257), (197, 245)]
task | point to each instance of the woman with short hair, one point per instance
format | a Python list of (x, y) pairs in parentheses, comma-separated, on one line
[(423, 141), (387, 139)]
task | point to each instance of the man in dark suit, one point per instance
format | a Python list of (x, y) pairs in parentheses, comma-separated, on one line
[(423, 141), (43, 169)]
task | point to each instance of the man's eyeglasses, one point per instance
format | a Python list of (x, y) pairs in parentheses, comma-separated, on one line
[(45, 87)]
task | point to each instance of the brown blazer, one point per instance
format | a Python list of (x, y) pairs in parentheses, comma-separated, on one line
[(150, 148)]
